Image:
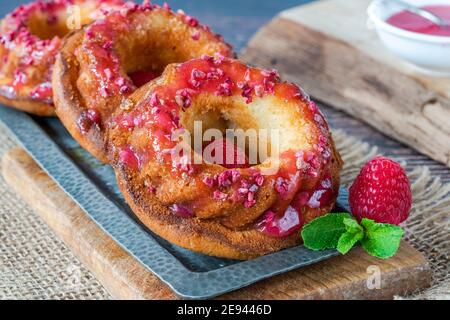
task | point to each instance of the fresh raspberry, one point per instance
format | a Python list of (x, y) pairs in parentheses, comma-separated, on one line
[(381, 192)]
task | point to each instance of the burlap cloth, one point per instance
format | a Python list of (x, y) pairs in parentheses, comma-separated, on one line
[(35, 264)]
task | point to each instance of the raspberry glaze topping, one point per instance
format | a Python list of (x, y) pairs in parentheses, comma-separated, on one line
[(31, 57), (100, 57), (303, 179)]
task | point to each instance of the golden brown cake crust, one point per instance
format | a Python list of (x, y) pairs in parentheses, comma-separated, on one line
[(29, 105), (197, 209), (209, 237), (69, 106), (30, 38), (75, 85), (218, 228)]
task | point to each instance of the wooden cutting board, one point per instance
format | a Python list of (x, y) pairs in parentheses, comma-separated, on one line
[(353, 276), (327, 47)]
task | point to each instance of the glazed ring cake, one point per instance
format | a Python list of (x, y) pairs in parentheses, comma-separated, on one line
[(218, 210), (30, 38), (100, 67)]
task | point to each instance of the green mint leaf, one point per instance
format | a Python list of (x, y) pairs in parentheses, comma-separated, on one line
[(381, 240), (348, 240), (324, 232), (351, 225), (354, 234), (368, 223)]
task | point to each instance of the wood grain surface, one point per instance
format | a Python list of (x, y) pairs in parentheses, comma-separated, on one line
[(343, 277), (342, 63)]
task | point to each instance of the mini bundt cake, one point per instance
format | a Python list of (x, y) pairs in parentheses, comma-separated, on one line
[(101, 66), (241, 212), (30, 38)]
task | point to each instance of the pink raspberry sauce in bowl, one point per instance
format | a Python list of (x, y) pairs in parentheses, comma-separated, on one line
[(415, 23), (420, 42)]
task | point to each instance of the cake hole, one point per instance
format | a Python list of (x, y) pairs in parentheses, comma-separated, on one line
[(142, 77), (46, 28), (215, 127)]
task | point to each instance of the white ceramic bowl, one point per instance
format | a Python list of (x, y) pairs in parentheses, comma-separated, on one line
[(425, 51)]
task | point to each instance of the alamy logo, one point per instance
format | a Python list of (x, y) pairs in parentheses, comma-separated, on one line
[(374, 280), (74, 18)]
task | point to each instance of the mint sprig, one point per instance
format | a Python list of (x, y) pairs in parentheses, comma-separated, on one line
[(342, 232), (354, 233), (381, 240), (314, 236)]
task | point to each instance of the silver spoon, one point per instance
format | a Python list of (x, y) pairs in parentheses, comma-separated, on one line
[(422, 12)]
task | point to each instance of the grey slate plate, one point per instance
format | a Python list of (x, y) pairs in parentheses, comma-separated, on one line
[(92, 185)]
